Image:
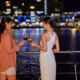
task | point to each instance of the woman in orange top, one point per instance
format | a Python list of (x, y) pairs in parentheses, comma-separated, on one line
[(8, 50)]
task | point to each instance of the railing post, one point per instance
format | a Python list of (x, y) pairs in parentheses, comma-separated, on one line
[(75, 68)]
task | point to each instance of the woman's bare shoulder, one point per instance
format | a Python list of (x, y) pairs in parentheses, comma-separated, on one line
[(44, 34), (55, 33)]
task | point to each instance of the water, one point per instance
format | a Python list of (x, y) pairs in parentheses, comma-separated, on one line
[(28, 64), (68, 38)]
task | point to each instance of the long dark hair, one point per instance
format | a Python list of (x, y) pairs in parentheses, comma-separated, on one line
[(2, 24), (50, 21)]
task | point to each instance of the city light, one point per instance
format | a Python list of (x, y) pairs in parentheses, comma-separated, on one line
[(57, 10), (3, 11), (16, 12), (32, 12), (39, 0), (71, 12), (52, 14), (8, 2), (65, 12), (15, 7), (8, 10), (8, 5), (32, 7), (22, 4), (40, 12), (20, 12)]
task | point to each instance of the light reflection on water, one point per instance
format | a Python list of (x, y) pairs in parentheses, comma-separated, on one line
[(68, 38)]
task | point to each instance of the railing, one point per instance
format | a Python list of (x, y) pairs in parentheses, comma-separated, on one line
[(56, 52), (61, 52)]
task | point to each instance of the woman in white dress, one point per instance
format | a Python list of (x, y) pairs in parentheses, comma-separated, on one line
[(47, 58)]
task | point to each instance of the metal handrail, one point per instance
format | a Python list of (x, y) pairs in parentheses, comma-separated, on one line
[(56, 52), (70, 52)]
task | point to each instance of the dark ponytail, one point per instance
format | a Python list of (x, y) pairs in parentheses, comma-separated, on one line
[(3, 26), (50, 21)]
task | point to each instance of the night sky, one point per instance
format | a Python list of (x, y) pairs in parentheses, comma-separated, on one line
[(72, 5), (69, 5)]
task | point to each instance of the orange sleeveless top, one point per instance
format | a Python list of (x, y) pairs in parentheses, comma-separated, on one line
[(8, 50)]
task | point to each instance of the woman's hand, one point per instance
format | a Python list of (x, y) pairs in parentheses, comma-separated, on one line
[(55, 50), (33, 44)]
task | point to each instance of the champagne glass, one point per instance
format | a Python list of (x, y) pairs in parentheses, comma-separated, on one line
[(30, 40)]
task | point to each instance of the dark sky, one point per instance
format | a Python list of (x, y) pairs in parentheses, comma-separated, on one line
[(69, 5), (72, 5)]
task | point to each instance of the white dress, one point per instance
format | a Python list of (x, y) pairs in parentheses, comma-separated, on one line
[(47, 61)]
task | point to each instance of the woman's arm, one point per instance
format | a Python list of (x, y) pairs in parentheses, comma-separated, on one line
[(21, 43), (43, 47), (56, 45), (17, 46), (10, 43)]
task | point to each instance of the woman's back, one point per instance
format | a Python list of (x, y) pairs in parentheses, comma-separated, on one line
[(2, 44), (51, 42), (47, 60), (6, 59)]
